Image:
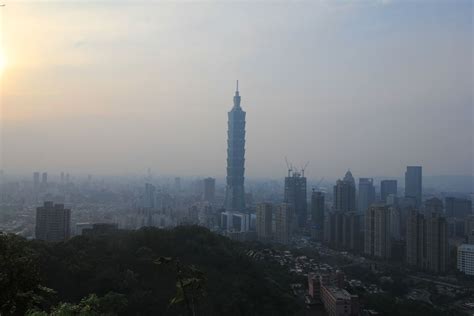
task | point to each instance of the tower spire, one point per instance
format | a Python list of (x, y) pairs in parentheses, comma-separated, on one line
[(237, 95)]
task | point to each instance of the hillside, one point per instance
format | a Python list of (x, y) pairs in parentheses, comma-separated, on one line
[(125, 271)]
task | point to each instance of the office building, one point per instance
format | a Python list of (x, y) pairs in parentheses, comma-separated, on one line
[(209, 190), (284, 222), (264, 221), (377, 240), (53, 222), (44, 178), (295, 195), (456, 207), (465, 259), (345, 194), (317, 213), (366, 194), (235, 193), (413, 184), (387, 187)]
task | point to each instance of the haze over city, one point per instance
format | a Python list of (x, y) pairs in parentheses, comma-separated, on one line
[(114, 87)]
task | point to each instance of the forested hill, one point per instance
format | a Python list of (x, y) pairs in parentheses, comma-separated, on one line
[(146, 272)]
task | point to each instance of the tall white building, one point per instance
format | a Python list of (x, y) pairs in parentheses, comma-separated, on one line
[(466, 259)]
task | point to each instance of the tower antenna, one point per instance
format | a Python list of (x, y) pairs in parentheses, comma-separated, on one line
[(237, 86)]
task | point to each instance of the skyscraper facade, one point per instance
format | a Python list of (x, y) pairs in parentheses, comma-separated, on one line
[(387, 187), (377, 239), (345, 194), (53, 222), (235, 193), (413, 184), (317, 213), (427, 241), (366, 194), (295, 195), (283, 222)]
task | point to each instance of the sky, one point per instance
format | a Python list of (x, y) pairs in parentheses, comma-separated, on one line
[(116, 87)]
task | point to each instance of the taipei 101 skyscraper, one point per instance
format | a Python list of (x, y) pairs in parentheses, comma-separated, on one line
[(235, 193)]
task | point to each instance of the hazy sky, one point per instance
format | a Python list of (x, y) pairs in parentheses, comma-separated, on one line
[(120, 86)]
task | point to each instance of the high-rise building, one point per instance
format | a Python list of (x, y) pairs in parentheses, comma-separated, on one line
[(342, 230), (209, 190), (62, 177), (415, 239), (387, 187), (395, 223), (36, 179), (469, 229), (352, 233), (345, 194), (53, 222), (456, 207), (436, 243), (433, 205), (284, 216), (465, 262), (377, 241), (317, 213), (233, 221), (44, 178), (295, 195), (366, 194), (264, 221), (413, 184), (427, 241), (235, 193)]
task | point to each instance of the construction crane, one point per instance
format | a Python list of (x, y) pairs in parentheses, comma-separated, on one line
[(304, 168), (289, 166)]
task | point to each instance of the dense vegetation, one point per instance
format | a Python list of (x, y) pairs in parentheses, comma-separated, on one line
[(140, 272)]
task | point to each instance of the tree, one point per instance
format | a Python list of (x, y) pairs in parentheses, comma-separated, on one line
[(20, 286)]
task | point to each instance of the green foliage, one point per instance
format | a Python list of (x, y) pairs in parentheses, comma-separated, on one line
[(20, 286), (390, 306), (108, 305), (216, 275)]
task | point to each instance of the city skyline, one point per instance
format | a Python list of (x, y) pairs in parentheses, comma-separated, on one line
[(50, 103)]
